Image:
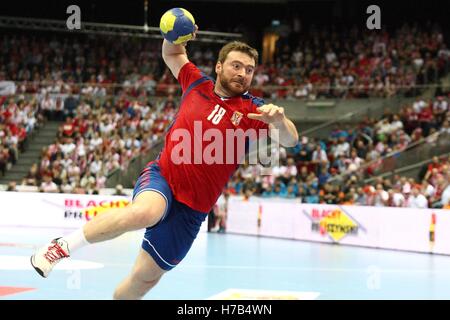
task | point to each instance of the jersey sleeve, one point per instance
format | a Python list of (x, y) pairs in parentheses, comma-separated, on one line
[(189, 73)]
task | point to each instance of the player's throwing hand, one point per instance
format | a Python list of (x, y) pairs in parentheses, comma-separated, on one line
[(268, 113), (194, 35)]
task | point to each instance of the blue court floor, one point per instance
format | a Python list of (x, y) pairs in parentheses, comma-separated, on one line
[(225, 263)]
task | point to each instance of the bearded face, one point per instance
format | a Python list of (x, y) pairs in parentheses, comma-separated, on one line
[(235, 74), (234, 85)]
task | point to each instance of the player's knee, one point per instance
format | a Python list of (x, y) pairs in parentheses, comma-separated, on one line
[(146, 272), (144, 282), (143, 215), (136, 286)]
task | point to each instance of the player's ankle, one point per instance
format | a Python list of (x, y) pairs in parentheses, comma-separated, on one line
[(76, 240)]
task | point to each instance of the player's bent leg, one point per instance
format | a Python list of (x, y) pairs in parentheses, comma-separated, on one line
[(146, 210), (144, 276)]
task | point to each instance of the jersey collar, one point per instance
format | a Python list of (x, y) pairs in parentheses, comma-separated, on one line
[(228, 98)]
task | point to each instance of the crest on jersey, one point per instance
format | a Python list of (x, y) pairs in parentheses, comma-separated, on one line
[(236, 118)]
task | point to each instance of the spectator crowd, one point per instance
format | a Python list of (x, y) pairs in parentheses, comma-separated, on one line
[(114, 98)]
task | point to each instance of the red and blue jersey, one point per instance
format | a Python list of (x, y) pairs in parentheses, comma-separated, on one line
[(197, 182)]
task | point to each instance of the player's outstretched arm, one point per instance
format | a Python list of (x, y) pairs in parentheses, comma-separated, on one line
[(276, 119), (175, 55)]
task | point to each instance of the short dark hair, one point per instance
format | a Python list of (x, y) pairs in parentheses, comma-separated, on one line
[(238, 46)]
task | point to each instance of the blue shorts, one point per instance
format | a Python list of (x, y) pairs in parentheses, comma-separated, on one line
[(169, 240)]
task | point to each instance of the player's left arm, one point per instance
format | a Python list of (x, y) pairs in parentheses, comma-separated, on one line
[(276, 119), (175, 55)]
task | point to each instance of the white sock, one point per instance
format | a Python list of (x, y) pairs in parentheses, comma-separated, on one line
[(76, 240)]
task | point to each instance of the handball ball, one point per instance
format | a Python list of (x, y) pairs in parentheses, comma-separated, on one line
[(177, 25)]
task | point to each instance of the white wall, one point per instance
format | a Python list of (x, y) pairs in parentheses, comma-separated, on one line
[(30, 209), (378, 227)]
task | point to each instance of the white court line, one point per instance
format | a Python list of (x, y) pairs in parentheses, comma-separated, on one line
[(262, 268), (8, 262), (365, 270)]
